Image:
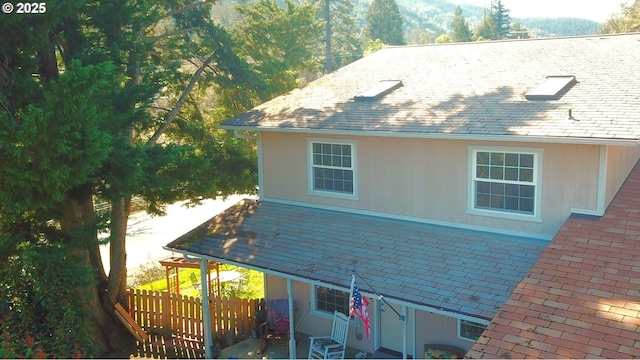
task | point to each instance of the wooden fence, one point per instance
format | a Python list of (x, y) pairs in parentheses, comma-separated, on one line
[(163, 313)]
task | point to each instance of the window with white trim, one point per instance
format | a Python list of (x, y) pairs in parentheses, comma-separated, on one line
[(505, 181), (330, 300), (470, 330), (332, 168)]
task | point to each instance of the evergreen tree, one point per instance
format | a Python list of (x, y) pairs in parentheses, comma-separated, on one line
[(346, 45), (486, 30), (496, 25), (279, 42), (460, 26), (101, 102), (384, 22)]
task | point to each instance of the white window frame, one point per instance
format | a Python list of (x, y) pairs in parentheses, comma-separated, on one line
[(314, 302), (353, 168), (459, 330), (537, 183)]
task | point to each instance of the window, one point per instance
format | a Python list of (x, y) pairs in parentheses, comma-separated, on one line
[(330, 300), (470, 330), (505, 182), (332, 168)]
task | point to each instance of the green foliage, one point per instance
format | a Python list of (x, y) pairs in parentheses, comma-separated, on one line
[(628, 20), (42, 314), (443, 39), (249, 286), (373, 46), (102, 101), (496, 25), (500, 19), (486, 30), (461, 32), (564, 26), (346, 45), (279, 42), (384, 22), (54, 145)]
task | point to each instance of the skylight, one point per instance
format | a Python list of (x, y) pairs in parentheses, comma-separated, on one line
[(552, 88), (379, 90)]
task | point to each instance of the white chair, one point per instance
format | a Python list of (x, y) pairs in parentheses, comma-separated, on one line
[(334, 346)]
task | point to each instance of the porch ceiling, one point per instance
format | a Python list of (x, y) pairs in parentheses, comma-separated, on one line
[(462, 271)]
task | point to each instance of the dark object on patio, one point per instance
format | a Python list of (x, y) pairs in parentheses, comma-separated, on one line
[(275, 330), (333, 346), (439, 351)]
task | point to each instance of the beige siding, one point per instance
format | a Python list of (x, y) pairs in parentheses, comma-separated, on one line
[(620, 161), (430, 328), (309, 322), (438, 329), (428, 179)]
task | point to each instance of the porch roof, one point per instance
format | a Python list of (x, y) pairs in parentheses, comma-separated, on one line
[(448, 269)]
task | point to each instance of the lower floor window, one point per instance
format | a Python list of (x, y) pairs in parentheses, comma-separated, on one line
[(471, 330), (330, 300)]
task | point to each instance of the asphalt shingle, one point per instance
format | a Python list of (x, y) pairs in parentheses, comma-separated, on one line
[(461, 271), (472, 89)]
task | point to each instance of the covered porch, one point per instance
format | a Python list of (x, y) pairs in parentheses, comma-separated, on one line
[(248, 349), (428, 272)]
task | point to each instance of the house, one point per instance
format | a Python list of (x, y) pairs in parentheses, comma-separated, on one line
[(582, 297), (438, 174)]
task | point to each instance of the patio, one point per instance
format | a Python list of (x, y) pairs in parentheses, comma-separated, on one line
[(248, 349)]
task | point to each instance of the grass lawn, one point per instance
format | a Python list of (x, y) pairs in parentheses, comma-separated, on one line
[(250, 285)]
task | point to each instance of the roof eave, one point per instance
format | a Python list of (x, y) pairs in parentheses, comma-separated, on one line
[(444, 136)]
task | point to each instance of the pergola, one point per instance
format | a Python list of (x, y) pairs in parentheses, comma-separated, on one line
[(174, 264)]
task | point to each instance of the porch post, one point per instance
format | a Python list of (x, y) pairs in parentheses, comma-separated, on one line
[(204, 286), (413, 333), (405, 325), (292, 330)]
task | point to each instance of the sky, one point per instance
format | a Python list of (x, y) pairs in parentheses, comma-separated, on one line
[(596, 10)]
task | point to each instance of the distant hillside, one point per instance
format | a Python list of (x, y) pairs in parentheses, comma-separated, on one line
[(560, 26), (434, 16), (425, 20)]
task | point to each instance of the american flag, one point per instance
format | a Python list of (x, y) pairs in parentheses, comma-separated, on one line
[(358, 306)]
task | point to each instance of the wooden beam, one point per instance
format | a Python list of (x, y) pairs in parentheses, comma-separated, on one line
[(130, 324)]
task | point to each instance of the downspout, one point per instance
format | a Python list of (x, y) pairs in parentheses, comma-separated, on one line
[(292, 330), (405, 325)]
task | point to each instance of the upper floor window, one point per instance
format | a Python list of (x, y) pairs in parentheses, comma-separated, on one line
[(506, 182), (332, 168)]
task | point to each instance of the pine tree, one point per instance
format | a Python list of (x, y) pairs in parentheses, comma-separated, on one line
[(460, 26), (496, 25), (384, 22), (501, 19), (346, 45)]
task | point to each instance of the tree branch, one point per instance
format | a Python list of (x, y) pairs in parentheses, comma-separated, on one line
[(183, 97)]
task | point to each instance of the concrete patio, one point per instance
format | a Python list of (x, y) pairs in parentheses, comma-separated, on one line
[(248, 349)]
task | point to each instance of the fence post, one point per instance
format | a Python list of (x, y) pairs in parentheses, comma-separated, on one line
[(166, 311)]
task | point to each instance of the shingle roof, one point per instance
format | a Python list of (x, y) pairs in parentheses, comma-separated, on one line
[(462, 271), (582, 297), (472, 90)]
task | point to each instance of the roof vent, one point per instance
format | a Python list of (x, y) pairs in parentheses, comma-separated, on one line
[(552, 88), (379, 90)]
